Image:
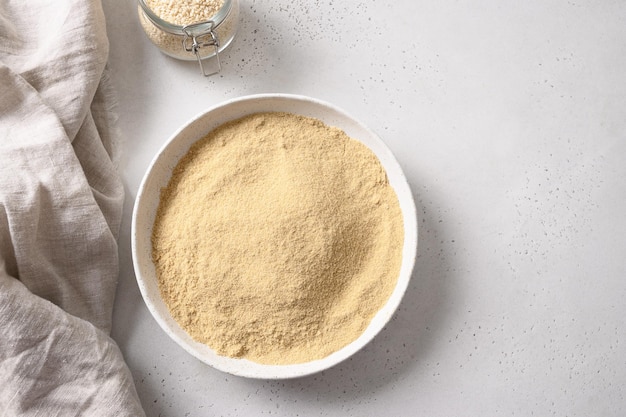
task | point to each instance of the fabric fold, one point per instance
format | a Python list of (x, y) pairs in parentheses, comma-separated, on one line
[(52, 363), (61, 201)]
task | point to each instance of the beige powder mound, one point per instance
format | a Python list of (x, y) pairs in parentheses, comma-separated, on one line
[(277, 239)]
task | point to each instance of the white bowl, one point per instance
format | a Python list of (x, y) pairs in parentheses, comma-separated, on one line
[(158, 175)]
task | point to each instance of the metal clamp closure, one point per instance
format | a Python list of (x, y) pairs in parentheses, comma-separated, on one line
[(194, 40)]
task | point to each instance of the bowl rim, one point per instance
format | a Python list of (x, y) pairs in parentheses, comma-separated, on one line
[(244, 367)]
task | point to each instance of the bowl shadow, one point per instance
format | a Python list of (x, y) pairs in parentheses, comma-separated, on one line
[(403, 342)]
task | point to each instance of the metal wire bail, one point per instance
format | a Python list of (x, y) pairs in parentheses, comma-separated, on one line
[(200, 40)]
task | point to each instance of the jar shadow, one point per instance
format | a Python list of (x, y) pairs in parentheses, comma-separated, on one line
[(257, 60)]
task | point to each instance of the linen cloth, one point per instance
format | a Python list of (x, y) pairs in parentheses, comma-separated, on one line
[(60, 211)]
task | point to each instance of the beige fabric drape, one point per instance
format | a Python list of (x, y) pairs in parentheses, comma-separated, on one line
[(60, 211)]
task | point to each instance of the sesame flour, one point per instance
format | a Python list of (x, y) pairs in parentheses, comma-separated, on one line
[(277, 239)]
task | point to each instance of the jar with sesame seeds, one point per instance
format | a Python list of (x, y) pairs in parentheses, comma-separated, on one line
[(191, 29)]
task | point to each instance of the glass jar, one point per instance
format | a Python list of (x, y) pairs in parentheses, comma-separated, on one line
[(191, 40)]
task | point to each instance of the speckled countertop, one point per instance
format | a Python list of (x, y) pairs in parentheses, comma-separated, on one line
[(509, 119)]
